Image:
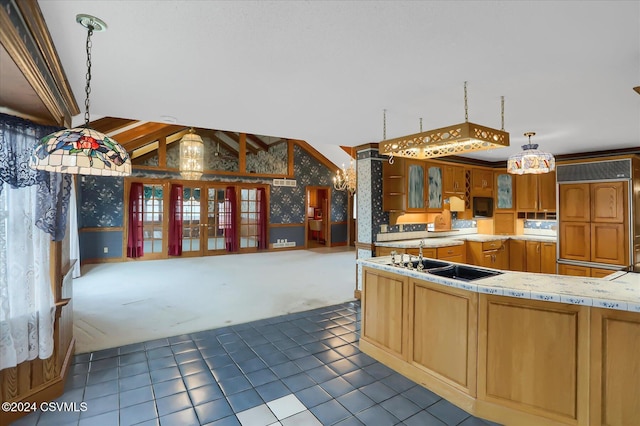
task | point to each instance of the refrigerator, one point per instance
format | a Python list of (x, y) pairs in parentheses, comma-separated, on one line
[(598, 220)]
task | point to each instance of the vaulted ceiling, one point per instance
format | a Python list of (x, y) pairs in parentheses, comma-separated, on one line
[(324, 71)]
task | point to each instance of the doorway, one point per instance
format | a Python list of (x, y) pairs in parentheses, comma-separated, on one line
[(203, 220), (318, 217)]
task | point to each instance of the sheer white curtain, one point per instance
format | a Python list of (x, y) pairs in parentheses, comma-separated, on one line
[(26, 301)]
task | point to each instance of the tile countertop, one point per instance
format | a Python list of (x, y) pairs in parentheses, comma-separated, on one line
[(460, 239), (620, 291)]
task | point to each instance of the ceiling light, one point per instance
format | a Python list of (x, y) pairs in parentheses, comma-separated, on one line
[(530, 160), (345, 179), (450, 140), (82, 150), (191, 156)]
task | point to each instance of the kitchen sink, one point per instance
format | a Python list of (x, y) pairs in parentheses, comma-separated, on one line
[(429, 264), (463, 273)]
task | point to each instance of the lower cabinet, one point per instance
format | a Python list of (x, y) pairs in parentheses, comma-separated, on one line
[(443, 333), (583, 271), (451, 253), (541, 257), (498, 357), (385, 307), (490, 254)]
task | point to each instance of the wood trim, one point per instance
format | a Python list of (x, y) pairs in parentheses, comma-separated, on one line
[(365, 246), (51, 87), (315, 154), (101, 229)]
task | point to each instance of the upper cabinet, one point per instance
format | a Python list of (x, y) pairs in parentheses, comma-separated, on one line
[(481, 182), (454, 179), (416, 177), (504, 193), (434, 187), (575, 202), (609, 202), (536, 193), (393, 186)]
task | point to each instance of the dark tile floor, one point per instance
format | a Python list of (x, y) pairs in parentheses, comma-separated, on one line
[(298, 369)]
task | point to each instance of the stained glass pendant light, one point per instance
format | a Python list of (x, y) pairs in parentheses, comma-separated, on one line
[(82, 150), (191, 156), (530, 160)]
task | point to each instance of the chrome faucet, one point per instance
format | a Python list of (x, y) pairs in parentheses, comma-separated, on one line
[(420, 265)]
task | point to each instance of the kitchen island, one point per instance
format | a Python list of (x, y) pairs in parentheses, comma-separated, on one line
[(515, 348)]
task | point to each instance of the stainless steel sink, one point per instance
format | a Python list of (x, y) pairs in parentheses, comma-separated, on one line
[(462, 273)]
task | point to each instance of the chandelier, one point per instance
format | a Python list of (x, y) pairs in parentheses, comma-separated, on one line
[(530, 160), (191, 156), (82, 150), (345, 179), (450, 140)]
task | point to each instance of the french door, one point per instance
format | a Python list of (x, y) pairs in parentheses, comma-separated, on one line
[(203, 220)]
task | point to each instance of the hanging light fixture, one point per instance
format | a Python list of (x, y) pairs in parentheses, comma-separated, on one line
[(82, 150), (345, 179), (530, 160), (191, 156), (450, 140)]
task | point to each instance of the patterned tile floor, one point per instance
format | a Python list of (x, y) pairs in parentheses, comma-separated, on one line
[(292, 370)]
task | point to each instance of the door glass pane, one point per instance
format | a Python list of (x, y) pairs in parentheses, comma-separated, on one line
[(248, 218), (215, 219), (153, 208), (191, 220)]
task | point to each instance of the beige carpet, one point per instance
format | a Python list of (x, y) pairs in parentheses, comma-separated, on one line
[(121, 303)]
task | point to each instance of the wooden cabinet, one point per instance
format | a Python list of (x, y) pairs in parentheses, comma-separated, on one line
[(504, 191), (609, 243), (593, 222), (452, 253), (575, 241), (608, 202), (517, 255), (536, 193), (434, 187), (532, 256), (393, 186), (548, 256), (504, 223), (527, 193), (490, 254), (547, 192), (583, 271), (481, 182), (575, 202), (416, 178), (454, 179), (384, 307)]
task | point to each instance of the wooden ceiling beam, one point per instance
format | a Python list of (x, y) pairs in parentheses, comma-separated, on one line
[(257, 141), (145, 138), (142, 130), (110, 124), (236, 138)]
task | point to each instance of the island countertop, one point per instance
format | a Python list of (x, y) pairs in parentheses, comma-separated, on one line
[(619, 291)]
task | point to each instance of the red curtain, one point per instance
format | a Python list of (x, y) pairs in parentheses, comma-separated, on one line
[(175, 220), (135, 239), (230, 222), (262, 219)]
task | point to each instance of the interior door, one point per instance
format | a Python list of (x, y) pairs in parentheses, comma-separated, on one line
[(192, 206), (213, 223)]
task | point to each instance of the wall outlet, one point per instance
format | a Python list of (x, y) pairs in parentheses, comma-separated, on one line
[(106, 249)]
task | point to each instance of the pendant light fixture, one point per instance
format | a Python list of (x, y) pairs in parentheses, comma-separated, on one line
[(530, 160), (191, 156), (82, 150), (450, 140)]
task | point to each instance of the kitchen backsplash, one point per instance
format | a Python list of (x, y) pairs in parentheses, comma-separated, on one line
[(541, 227)]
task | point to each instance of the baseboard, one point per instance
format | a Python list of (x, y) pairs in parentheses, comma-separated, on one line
[(46, 392)]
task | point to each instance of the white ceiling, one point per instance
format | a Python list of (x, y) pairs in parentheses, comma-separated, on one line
[(324, 71)]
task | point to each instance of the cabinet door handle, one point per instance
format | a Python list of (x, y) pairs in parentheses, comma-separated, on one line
[(538, 248), (450, 252)]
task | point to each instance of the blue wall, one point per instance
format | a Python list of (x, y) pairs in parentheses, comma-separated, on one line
[(101, 205)]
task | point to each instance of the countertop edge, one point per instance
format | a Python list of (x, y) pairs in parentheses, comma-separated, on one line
[(497, 285)]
